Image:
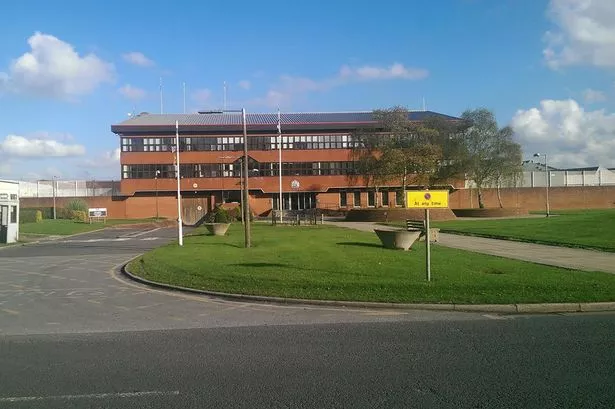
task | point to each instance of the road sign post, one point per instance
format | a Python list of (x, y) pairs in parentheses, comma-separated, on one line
[(427, 199)]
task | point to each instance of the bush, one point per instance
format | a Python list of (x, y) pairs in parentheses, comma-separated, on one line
[(28, 215), (218, 215), (77, 205), (39, 216), (80, 216)]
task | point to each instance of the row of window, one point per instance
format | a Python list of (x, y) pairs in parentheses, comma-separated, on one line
[(215, 170), (371, 198), (235, 143)]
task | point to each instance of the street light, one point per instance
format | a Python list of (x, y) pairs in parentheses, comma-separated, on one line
[(157, 208), (245, 189), (54, 182), (547, 178)]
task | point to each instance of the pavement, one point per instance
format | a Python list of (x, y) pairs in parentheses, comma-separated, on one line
[(578, 259), (73, 285), (76, 334), (525, 362)]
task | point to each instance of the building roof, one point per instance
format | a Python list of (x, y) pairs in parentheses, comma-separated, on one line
[(290, 121)]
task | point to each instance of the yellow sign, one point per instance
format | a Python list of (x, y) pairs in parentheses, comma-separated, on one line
[(427, 199)]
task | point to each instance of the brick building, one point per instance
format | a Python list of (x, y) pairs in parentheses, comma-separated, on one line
[(316, 160)]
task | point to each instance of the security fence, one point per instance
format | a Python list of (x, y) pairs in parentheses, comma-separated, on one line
[(560, 178), (68, 188)]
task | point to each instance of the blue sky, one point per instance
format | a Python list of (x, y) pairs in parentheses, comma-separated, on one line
[(68, 72)]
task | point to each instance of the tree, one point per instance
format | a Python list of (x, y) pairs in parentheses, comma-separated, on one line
[(406, 151), (490, 153)]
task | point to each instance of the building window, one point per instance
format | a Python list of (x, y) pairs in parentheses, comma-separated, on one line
[(343, 199), (357, 199), (13, 214), (371, 198), (385, 197), (399, 198)]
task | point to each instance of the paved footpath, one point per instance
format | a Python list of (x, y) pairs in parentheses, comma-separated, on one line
[(588, 260)]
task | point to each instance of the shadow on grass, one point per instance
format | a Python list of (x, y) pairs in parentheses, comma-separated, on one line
[(237, 246), (359, 244), (261, 265)]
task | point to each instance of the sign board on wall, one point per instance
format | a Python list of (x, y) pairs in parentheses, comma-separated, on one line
[(97, 212), (427, 199)]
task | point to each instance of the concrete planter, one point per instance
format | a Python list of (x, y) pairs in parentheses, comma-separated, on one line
[(397, 239), (217, 229)]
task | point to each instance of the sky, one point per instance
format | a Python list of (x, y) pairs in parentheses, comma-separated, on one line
[(70, 69)]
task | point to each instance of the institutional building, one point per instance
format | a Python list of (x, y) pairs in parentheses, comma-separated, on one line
[(316, 159)]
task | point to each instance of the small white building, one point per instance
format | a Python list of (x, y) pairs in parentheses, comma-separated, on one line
[(9, 211)]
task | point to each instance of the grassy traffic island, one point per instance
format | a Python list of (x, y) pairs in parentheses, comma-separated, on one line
[(331, 263)]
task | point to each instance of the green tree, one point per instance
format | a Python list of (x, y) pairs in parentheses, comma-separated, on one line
[(490, 155), (401, 150)]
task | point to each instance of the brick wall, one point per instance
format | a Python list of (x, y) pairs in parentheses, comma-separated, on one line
[(580, 197)]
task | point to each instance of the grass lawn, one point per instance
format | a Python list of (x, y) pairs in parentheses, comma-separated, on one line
[(67, 227), (593, 229), (324, 262), (581, 228)]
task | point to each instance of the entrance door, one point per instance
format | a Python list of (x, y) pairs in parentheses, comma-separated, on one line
[(4, 224)]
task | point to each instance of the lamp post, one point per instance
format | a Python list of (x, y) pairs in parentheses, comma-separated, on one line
[(54, 183), (245, 206), (180, 233), (547, 179), (157, 208)]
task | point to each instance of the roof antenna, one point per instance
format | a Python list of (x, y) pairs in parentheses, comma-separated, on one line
[(184, 88), (224, 103), (161, 106)]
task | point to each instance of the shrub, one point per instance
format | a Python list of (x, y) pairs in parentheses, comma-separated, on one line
[(218, 215), (77, 205), (80, 216), (39, 216), (29, 215)]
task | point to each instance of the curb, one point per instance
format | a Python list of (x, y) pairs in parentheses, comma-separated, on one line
[(497, 308)]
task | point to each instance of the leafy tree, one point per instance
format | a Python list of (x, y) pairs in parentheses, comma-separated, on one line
[(405, 151), (491, 155)]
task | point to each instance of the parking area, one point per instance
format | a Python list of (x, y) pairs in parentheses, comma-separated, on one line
[(71, 285)]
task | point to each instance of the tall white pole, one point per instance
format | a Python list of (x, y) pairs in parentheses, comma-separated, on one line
[(246, 189), (280, 163), (179, 197), (548, 182)]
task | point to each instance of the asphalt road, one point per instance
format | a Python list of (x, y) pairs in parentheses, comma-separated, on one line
[(536, 362), (75, 335), (72, 285)]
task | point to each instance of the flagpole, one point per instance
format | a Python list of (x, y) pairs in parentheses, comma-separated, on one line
[(180, 233), (280, 163)]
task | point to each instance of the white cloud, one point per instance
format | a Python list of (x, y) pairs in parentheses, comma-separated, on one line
[(592, 95), (5, 169), (570, 135), (395, 71), (19, 146), (201, 96), (132, 93), (289, 87), (138, 58), (108, 159), (584, 33), (53, 68), (245, 84)]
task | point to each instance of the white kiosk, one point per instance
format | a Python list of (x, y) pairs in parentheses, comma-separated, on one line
[(9, 211)]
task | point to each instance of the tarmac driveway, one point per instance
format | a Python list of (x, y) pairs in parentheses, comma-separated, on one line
[(72, 285)]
